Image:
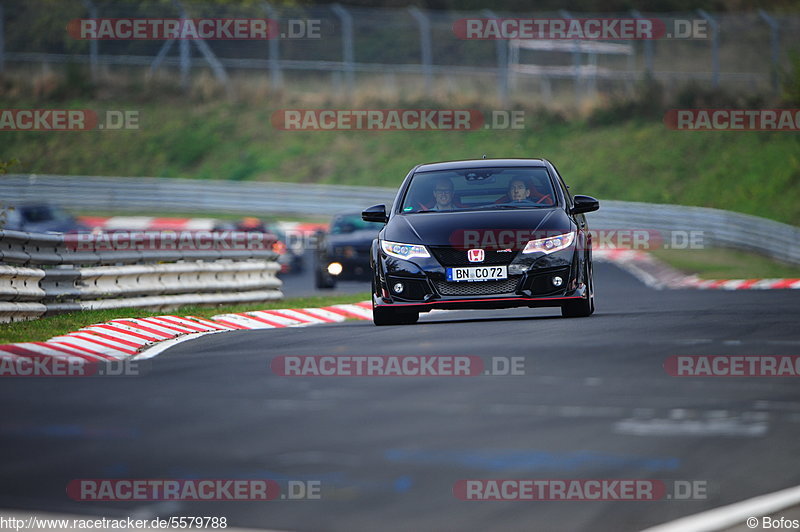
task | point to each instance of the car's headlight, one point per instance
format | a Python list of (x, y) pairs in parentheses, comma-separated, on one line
[(550, 244), (404, 251)]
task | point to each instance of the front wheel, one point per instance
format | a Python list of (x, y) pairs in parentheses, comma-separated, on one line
[(389, 316), (582, 308)]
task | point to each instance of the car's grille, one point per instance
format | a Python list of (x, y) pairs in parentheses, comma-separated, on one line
[(450, 256), (480, 288)]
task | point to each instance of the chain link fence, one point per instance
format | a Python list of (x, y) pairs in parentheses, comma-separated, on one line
[(342, 49)]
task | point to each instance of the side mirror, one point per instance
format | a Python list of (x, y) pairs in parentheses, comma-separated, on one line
[(583, 204), (376, 213)]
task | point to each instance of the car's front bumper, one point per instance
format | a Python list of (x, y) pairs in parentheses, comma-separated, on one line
[(529, 284)]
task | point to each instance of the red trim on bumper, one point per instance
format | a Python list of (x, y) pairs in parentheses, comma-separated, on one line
[(445, 301)]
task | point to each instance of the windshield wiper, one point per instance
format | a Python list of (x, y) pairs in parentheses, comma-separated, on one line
[(502, 206)]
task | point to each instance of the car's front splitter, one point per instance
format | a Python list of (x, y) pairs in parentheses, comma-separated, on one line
[(498, 302)]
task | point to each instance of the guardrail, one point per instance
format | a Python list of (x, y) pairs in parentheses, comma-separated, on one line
[(188, 195), (49, 274), (719, 228)]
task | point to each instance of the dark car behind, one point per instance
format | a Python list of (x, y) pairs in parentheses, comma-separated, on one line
[(343, 252), (38, 218)]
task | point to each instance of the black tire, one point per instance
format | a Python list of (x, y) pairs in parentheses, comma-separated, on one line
[(323, 280), (582, 308), (389, 316), (298, 265)]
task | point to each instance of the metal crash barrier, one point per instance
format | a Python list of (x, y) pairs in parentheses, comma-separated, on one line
[(42, 274)]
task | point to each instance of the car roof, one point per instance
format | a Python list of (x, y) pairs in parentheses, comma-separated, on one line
[(479, 163)]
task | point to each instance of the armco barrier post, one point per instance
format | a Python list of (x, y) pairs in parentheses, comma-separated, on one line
[(576, 63), (93, 45), (2, 40), (648, 50), (501, 51), (775, 45), (275, 74), (712, 22), (348, 55), (425, 46)]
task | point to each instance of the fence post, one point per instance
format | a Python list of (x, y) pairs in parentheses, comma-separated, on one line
[(2, 40), (576, 62), (186, 60), (714, 46), (347, 45), (93, 45), (184, 52), (162, 53), (648, 49), (501, 51), (275, 74), (425, 45), (775, 43)]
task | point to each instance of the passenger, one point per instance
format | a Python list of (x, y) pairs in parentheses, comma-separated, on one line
[(443, 195)]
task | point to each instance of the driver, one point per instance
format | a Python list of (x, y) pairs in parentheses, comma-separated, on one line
[(518, 191)]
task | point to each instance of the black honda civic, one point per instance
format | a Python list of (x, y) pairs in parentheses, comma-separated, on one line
[(481, 234)]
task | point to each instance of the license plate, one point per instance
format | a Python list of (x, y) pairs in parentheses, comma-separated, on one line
[(477, 273)]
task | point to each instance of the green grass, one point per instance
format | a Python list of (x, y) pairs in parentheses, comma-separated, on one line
[(45, 328), (634, 160), (721, 263)]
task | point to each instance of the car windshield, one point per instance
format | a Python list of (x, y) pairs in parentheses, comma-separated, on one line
[(479, 188), (349, 223), (41, 213)]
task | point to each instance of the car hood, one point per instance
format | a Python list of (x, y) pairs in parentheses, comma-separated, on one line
[(438, 229)]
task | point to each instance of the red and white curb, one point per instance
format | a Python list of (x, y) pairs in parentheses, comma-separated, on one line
[(139, 338), (740, 284), (148, 223), (656, 274), (153, 223), (302, 227)]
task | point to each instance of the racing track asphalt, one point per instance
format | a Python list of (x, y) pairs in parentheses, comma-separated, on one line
[(595, 402)]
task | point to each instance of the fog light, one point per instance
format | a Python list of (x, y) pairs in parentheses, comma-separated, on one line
[(557, 281), (334, 268), (398, 288)]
